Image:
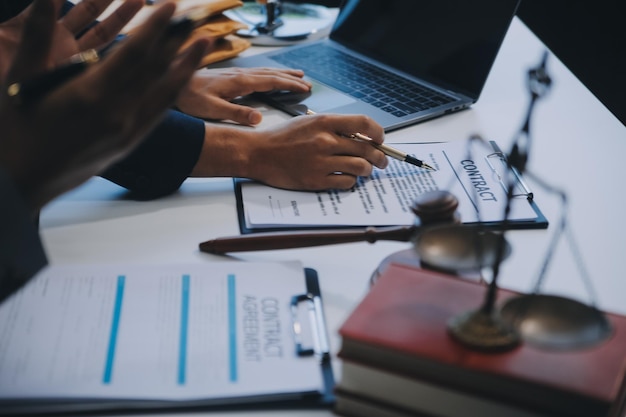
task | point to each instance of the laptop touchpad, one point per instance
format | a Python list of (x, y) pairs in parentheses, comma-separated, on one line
[(319, 99)]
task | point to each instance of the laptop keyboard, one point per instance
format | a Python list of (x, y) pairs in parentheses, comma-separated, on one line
[(361, 80)]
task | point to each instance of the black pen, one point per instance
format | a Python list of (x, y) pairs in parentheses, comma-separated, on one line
[(31, 90), (392, 152), (387, 150)]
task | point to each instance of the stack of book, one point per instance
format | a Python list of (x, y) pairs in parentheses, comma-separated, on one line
[(399, 360)]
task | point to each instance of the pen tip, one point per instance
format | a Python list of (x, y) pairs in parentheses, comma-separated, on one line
[(418, 163)]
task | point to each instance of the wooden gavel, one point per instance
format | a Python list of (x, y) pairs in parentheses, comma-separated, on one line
[(433, 207)]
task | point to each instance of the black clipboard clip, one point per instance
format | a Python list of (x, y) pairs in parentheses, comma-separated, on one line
[(313, 300), (320, 344), (499, 165)]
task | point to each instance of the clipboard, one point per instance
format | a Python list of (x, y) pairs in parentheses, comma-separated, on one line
[(306, 312), (496, 160)]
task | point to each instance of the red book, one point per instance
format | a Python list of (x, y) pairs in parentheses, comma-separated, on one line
[(396, 340)]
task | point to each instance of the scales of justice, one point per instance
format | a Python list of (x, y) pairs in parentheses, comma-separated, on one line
[(441, 242)]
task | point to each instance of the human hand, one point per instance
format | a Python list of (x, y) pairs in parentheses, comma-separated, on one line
[(306, 153), (210, 91), (74, 132), (65, 41)]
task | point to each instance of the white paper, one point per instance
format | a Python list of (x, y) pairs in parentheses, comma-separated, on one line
[(166, 333), (385, 197)]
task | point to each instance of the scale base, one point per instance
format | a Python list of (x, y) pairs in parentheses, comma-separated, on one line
[(483, 331), (293, 23)]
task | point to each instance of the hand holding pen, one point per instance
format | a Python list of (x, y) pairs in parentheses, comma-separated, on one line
[(34, 88), (386, 149)]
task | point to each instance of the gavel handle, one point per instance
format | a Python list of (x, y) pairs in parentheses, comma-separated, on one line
[(287, 240)]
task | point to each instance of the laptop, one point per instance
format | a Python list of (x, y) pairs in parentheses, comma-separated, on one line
[(397, 61)]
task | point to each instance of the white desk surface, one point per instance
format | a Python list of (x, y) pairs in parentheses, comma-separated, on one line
[(577, 145)]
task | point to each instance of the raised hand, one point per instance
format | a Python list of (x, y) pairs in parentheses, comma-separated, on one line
[(75, 131), (68, 36)]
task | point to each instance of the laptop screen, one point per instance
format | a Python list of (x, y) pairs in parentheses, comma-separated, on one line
[(452, 43)]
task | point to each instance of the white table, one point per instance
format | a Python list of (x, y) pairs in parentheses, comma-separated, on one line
[(578, 146)]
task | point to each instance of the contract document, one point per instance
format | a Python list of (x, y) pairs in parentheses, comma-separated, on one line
[(477, 175), (92, 337)]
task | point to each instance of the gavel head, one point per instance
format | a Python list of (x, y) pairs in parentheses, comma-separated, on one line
[(436, 207)]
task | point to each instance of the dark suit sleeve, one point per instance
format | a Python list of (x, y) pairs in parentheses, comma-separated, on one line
[(21, 252), (160, 164)]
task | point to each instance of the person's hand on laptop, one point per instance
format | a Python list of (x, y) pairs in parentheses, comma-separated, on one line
[(210, 93), (305, 153)]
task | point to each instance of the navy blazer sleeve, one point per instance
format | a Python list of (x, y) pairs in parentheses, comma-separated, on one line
[(160, 164), (21, 252)]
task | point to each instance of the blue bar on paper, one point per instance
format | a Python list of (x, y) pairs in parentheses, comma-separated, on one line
[(232, 328), (115, 324), (184, 323)]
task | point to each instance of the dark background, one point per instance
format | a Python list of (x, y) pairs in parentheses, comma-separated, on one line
[(589, 37)]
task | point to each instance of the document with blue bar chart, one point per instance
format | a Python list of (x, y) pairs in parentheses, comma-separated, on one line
[(86, 337)]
